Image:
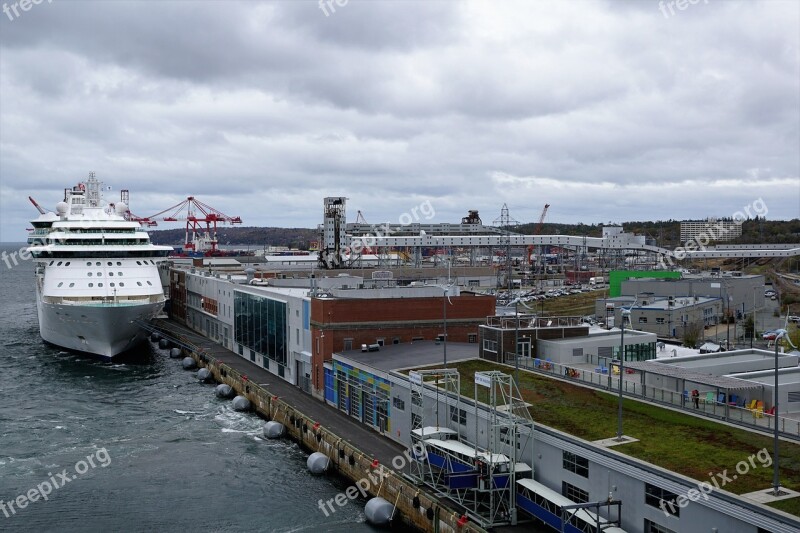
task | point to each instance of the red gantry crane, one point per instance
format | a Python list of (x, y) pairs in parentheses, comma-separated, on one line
[(536, 231), (195, 213), (125, 198)]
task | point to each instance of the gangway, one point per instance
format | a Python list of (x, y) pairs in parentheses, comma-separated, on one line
[(562, 514)]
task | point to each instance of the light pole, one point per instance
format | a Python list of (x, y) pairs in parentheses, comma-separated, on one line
[(444, 314), (445, 299), (776, 484), (753, 329), (516, 342), (623, 314)]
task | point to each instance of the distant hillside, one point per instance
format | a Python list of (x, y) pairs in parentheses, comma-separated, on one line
[(665, 232), (299, 238)]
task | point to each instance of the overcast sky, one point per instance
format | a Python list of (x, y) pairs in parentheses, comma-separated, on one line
[(608, 111)]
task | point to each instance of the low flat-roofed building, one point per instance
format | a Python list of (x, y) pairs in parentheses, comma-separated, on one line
[(599, 346), (499, 334), (664, 316), (746, 292), (365, 386)]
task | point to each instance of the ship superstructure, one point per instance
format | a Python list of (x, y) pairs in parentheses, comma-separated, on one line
[(96, 273)]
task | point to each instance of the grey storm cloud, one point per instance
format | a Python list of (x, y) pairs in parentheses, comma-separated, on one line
[(605, 110)]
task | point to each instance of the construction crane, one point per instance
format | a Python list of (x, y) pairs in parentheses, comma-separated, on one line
[(536, 230), (125, 197), (37, 206), (187, 211)]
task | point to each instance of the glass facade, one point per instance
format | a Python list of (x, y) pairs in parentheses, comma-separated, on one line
[(637, 352), (260, 325)]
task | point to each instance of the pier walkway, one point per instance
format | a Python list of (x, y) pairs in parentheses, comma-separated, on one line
[(356, 433)]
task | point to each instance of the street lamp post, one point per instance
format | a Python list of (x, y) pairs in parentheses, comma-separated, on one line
[(776, 484), (623, 314), (753, 330), (516, 342), (446, 289), (444, 314)]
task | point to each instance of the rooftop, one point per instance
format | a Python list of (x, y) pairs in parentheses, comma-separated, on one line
[(407, 355)]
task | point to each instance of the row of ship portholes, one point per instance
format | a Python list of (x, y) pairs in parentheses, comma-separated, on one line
[(112, 284), (98, 263)]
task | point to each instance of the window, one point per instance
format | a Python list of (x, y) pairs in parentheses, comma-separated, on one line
[(348, 344), (99, 284), (396, 340), (112, 283), (652, 527), (97, 264), (576, 464), (148, 282), (642, 320), (574, 493), (660, 320), (71, 285), (458, 415), (139, 283), (121, 284), (99, 274), (111, 274), (60, 283), (88, 263), (398, 403), (472, 337), (661, 499), (489, 346), (119, 264), (119, 273), (110, 263), (91, 285), (67, 263), (89, 274)]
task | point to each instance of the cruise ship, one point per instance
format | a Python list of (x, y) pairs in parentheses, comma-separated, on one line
[(96, 273)]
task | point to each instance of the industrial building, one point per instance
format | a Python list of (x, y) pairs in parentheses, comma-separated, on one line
[(710, 230), (392, 400), (561, 340), (292, 330), (744, 293), (753, 366)]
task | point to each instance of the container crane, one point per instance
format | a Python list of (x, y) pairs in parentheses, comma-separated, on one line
[(536, 230), (125, 197), (187, 211)]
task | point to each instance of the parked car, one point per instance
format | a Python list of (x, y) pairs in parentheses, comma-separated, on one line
[(769, 335)]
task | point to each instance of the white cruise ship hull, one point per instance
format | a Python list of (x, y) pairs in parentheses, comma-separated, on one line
[(103, 330)]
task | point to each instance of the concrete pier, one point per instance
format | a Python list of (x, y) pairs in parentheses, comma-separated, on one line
[(320, 428)]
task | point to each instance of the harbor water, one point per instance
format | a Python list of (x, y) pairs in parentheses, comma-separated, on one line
[(138, 444)]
